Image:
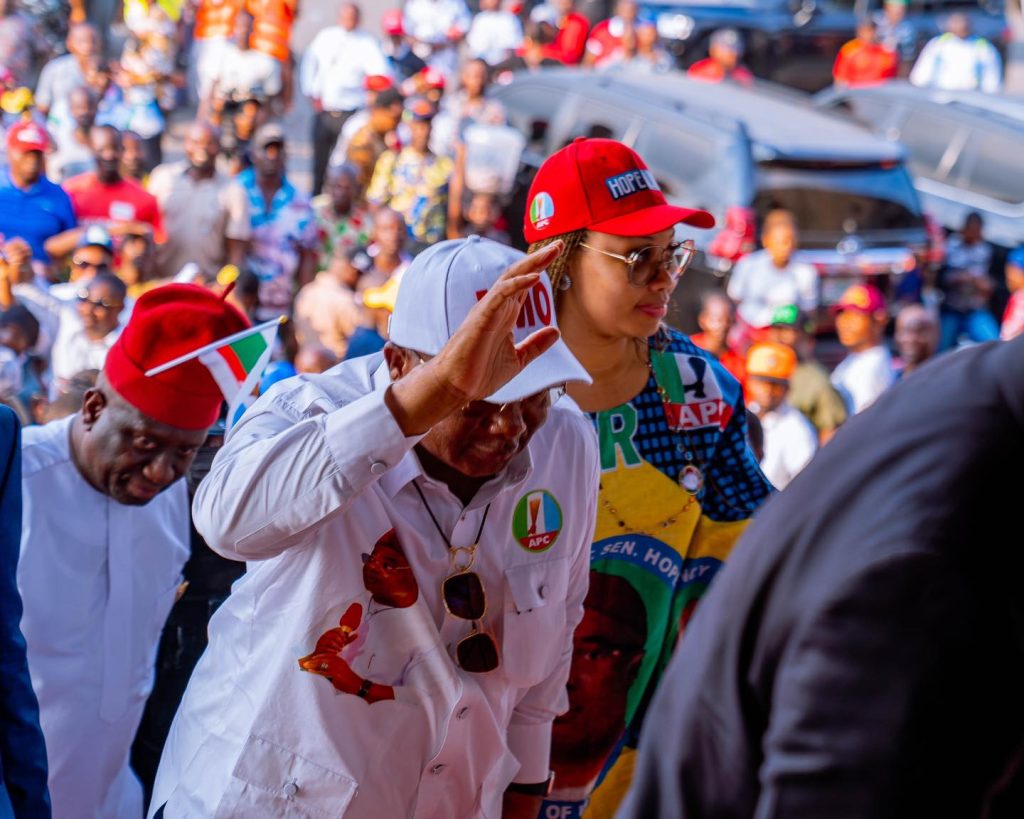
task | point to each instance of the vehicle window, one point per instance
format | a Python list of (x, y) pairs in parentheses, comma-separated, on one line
[(996, 169), (870, 112), (596, 119), (677, 157), (840, 200), (531, 109), (932, 142)]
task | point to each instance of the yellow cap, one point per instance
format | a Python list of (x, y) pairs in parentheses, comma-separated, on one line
[(16, 101), (770, 360), (383, 296)]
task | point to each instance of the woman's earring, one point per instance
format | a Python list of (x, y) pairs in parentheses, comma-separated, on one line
[(565, 282)]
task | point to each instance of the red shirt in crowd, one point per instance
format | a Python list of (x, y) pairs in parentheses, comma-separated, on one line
[(860, 63), (605, 40), (730, 359), (710, 71), (571, 41), (124, 201)]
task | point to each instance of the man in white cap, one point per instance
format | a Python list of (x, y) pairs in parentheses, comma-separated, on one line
[(417, 525)]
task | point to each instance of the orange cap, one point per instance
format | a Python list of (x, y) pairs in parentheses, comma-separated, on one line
[(767, 359)]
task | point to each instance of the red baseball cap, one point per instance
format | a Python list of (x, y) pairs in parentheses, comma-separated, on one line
[(168, 322), (27, 136), (378, 82), (863, 297), (391, 22), (602, 185), (432, 78)]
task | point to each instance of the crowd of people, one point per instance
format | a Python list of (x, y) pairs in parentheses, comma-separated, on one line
[(198, 642)]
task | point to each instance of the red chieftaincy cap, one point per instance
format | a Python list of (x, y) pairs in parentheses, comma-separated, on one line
[(166, 323), (602, 185)]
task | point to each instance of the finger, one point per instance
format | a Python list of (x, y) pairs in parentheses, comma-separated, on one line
[(508, 293), (536, 344), (534, 262)]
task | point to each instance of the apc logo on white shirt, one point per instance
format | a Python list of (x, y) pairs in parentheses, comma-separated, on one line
[(537, 521)]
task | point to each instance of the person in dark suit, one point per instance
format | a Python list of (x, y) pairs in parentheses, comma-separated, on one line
[(862, 654), (23, 791)]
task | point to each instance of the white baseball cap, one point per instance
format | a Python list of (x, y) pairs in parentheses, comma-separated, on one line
[(442, 285)]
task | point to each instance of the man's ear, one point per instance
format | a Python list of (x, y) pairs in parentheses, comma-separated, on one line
[(397, 361), (94, 402)]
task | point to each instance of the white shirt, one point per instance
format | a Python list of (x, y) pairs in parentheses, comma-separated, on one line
[(73, 351), (431, 22), (953, 64), (336, 63), (98, 580), (790, 441), (759, 287), (308, 481), (861, 377), (494, 35), (242, 73)]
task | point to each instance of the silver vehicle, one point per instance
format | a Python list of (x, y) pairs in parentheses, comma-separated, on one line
[(965, 149), (738, 153)]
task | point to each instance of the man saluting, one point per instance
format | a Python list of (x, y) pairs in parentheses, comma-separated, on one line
[(417, 525)]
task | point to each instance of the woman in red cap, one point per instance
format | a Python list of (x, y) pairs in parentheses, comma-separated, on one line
[(678, 482)]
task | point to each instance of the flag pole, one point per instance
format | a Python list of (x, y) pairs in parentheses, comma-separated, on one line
[(216, 345)]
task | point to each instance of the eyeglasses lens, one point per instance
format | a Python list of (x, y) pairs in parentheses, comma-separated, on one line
[(464, 596), (477, 653)]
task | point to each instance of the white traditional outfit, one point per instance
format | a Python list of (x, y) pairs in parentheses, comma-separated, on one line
[(313, 476), (98, 580)]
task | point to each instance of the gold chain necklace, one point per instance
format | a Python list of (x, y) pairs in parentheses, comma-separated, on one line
[(626, 527)]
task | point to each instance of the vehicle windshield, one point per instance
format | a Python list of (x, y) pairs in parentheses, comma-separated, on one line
[(829, 200)]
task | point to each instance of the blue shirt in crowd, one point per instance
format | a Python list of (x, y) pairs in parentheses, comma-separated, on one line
[(36, 214)]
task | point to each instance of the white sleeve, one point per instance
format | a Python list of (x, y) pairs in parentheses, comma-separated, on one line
[(375, 61), (295, 460), (309, 68), (736, 289), (923, 72), (992, 70), (801, 448), (807, 287)]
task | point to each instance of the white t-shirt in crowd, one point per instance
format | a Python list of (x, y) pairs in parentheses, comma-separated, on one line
[(494, 36), (790, 441), (861, 377), (759, 288)]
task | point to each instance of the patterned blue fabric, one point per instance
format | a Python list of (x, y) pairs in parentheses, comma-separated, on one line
[(734, 485)]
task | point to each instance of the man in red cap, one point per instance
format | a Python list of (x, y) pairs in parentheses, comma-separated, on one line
[(105, 536), (31, 206), (867, 370)]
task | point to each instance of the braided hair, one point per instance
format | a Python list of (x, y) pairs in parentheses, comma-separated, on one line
[(559, 268)]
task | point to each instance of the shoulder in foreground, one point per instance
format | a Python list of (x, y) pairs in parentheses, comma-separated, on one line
[(567, 432), (314, 394), (43, 447)]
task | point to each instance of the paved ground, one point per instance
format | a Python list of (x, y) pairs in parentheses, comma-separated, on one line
[(314, 15)]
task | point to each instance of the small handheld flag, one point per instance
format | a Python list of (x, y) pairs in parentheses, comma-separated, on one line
[(236, 364)]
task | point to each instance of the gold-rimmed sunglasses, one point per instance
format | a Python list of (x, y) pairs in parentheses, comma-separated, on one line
[(464, 598), (644, 264)]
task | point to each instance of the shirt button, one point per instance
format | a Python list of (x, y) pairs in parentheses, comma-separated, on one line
[(378, 468), (543, 590), (462, 713), (438, 769), (290, 789)]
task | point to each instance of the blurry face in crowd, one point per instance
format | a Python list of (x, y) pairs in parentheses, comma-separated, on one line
[(780, 242), (270, 160), (108, 152), (959, 25), (866, 32), (243, 30), (389, 232), (856, 329), (716, 319), (725, 56), (126, 455), (601, 292), (27, 167), (562, 7), (480, 439), (201, 147), (314, 360), (5, 7), (482, 212), (99, 308), (765, 394), (895, 12), (916, 334), (137, 259), (82, 41), (626, 9), (1014, 277), (385, 120), (419, 135), (971, 231), (82, 106), (341, 188), (348, 16), (87, 261), (132, 159), (490, 5), (474, 77), (646, 37)]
